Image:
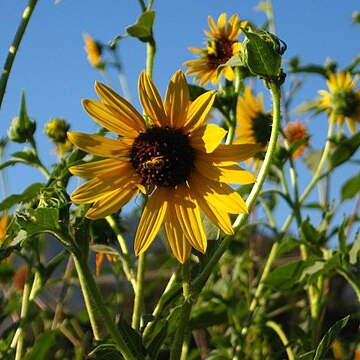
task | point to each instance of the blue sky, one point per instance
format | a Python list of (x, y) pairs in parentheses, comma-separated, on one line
[(51, 65)]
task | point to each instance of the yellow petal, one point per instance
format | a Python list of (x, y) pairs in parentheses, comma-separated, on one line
[(105, 117), (231, 154), (217, 194), (207, 138), (188, 214), (217, 216), (98, 145), (111, 203), (231, 174), (151, 220), (180, 247), (198, 110), (95, 188), (101, 169), (177, 100), (123, 107), (151, 100)]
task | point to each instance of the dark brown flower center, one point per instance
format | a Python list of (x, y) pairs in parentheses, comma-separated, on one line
[(261, 126), (162, 157), (219, 52)]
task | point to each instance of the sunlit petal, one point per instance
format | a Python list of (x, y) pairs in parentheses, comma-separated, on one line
[(207, 138)]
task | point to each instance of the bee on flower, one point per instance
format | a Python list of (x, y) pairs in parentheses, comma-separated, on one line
[(220, 47)]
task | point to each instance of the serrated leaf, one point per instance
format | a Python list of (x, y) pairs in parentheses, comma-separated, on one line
[(28, 194), (43, 344), (329, 338), (351, 187)]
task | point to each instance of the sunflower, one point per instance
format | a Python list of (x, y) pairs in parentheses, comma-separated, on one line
[(253, 123), (93, 49), (342, 102), (171, 155), (220, 47)]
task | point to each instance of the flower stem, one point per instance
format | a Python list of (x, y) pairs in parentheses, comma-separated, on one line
[(89, 287), (184, 316), (273, 325), (139, 292), (15, 47), (125, 259)]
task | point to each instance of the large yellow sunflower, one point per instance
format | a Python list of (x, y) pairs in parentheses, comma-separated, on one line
[(172, 156), (220, 47), (342, 102), (253, 123)]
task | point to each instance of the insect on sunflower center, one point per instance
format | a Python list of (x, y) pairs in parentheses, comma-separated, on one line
[(162, 157), (221, 51)]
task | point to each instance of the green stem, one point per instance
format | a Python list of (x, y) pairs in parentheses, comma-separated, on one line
[(273, 325), (18, 339), (89, 304), (125, 258), (352, 282), (200, 281), (15, 47), (184, 316), (89, 287), (150, 55), (139, 292)]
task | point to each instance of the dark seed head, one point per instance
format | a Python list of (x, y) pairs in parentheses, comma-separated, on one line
[(162, 157), (261, 126)]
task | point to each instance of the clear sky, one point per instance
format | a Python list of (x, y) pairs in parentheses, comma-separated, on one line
[(52, 68)]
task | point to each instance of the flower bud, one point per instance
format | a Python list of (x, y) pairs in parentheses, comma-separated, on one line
[(22, 128)]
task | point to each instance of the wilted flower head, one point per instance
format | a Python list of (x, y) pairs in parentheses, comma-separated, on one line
[(220, 47), (342, 101), (173, 156), (296, 131), (93, 49)]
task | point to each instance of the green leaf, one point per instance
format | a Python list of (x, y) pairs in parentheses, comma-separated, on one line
[(329, 338), (287, 276), (28, 194), (39, 220), (143, 27), (211, 315), (287, 245), (43, 344), (309, 233), (345, 149), (132, 338), (351, 187), (307, 356), (312, 160), (107, 351), (157, 340)]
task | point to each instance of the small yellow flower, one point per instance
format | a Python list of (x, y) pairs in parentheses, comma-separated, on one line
[(93, 49), (173, 156), (295, 131), (342, 101), (221, 46), (253, 123)]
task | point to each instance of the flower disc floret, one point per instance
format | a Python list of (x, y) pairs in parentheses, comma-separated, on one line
[(162, 157)]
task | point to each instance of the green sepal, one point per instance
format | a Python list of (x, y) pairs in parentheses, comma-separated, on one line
[(143, 27)]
